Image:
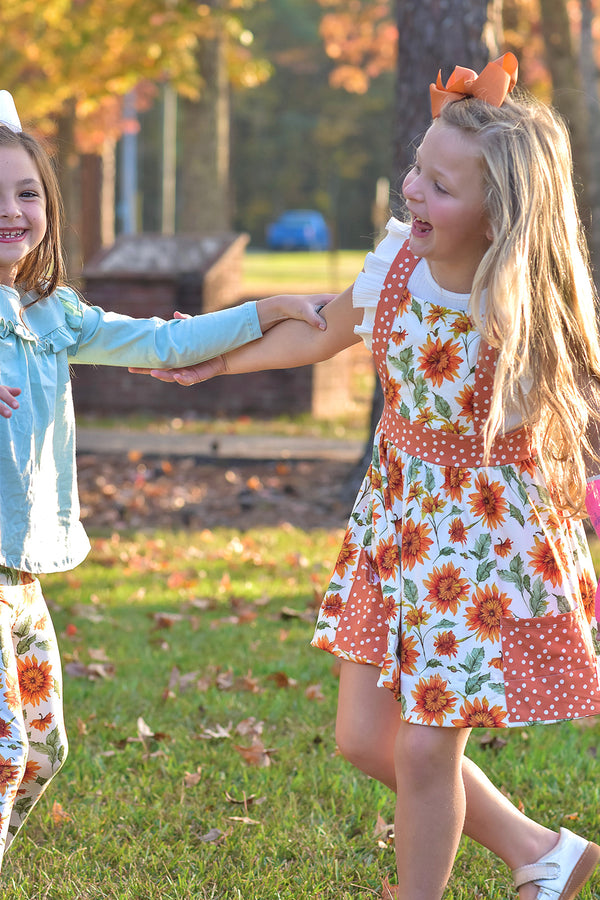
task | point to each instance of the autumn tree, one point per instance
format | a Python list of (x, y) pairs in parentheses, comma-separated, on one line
[(69, 63)]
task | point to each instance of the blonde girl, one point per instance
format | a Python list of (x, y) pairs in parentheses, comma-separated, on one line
[(463, 593), (44, 327)]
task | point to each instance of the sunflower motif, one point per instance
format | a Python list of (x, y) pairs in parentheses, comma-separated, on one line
[(5, 729), (347, 554), (389, 607), (479, 714), (490, 605), (42, 723), (9, 775), (398, 337), (466, 400), (391, 392), (426, 416), (415, 543), (456, 480), (408, 654), (11, 694), (436, 313), (548, 560), (395, 479), (431, 505), (446, 644), (488, 501), (457, 532), (434, 702), (333, 606), (387, 558), (439, 361), (35, 680), (324, 643), (416, 616), (587, 589), (503, 547), (461, 325), (31, 771), (446, 589)]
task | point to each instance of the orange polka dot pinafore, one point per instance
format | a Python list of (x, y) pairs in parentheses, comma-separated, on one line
[(462, 582)]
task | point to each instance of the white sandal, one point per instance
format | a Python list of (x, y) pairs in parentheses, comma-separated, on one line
[(562, 872)]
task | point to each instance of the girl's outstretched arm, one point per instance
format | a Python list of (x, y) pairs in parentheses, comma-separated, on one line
[(289, 344), (8, 401)]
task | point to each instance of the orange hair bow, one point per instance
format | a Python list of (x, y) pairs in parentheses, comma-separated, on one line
[(495, 82)]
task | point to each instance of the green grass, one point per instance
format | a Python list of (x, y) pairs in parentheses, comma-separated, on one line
[(236, 610), (267, 273)]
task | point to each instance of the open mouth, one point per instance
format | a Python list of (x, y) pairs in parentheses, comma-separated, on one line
[(420, 226), (12, 235)]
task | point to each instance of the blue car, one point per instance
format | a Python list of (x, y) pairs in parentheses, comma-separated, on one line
[(299, 229)]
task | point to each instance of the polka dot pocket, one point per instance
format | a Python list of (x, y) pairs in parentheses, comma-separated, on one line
[(550, 668)]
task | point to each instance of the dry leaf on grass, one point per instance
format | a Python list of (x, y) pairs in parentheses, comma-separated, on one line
[(257, 754), (218, 733), (191, 779), (92, 671), (314, 692), (59, 815), (388, 891)]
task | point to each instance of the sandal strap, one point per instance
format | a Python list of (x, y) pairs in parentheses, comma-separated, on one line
[(533, 871)]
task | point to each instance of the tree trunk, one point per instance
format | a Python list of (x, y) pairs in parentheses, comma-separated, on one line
[(432, 35), (203, 189), (69, 179), (589, 73), (568, 96)]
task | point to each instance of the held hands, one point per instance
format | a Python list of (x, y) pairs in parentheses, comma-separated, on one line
[(7, 400), (271, 311)]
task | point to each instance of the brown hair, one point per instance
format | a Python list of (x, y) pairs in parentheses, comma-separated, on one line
[(43, 269)]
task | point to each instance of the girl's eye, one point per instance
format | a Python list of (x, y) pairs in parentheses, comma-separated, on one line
[(439, 188), (29, 194)]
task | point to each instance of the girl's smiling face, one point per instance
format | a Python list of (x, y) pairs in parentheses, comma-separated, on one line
[(445, 197), (22, 210)]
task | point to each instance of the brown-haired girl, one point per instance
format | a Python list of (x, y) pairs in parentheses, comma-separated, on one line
[(463, 595), (44, 326)]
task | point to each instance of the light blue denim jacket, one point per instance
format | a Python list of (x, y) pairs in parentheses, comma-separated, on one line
[(40, 529)]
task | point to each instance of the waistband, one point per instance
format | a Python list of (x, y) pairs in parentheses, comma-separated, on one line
[(444, 448), (18, 596)]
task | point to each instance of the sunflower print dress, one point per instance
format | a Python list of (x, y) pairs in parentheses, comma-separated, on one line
[(462, 582)]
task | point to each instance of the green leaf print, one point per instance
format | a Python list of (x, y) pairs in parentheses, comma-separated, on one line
[(410, 591), (403, 362), (413, 469), (482, 546), (516, 514), (447, 551), (375, 459), (43, 645), (334, 586), (420, 392), (404, 410), (417, 309), (369, 520), (514, 574), (25, 643), (321, 625), (473, 661), (429, 481), (508, 472), (445, 623), (388, 589), (24, 629), (475, 683), (357, 518), (563, 604), (433, 663), (442, 407), (497, 687), (403, 706), (368, 537), (522, 493), (22, 806), (484, 570), (543, 495)]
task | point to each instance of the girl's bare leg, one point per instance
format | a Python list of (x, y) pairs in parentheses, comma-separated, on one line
[(368, 721)]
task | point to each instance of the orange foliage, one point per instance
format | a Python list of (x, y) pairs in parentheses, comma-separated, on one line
[(361, 38)]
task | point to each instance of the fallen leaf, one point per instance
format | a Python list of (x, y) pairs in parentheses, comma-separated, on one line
[(314, 692), (212, 836), (243, 819), (93, 671), (59, 815), (282, 680), (249, 726), (225, 680), (218, 733), (257, 754), (382, 829), (388, 891), (191, 779)]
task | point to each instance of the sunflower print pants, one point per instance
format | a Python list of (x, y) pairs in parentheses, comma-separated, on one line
[(33, 744)]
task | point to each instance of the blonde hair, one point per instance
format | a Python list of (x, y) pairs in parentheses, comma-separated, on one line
[(42, 270), (540, 307)]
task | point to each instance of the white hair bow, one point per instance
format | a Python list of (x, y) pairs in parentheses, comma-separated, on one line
[(8, 112)]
